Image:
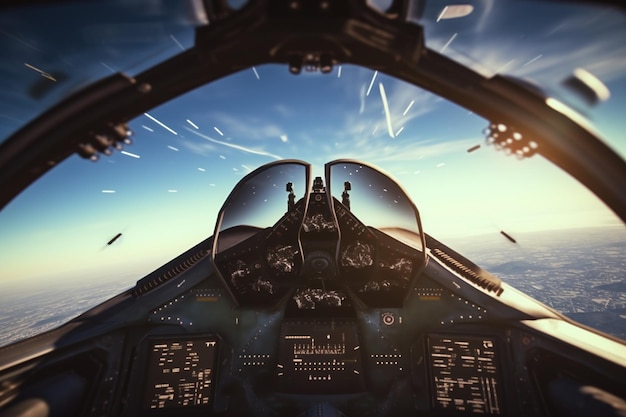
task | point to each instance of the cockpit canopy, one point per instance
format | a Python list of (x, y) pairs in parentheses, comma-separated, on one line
[(355, 231)]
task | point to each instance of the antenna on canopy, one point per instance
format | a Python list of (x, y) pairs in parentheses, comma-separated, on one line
[(345, 196), (291, 198)]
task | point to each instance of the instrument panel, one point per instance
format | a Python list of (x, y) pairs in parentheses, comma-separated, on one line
[(361, 360), (324, 359), (181, 373)]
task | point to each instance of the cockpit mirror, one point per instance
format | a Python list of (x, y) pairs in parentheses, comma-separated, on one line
[(375, 211), (256, 242)]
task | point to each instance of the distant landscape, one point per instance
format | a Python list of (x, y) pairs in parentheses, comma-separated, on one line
[(27, 310), (581, 273)]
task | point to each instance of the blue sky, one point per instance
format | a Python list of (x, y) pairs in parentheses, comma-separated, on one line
[(163, 194)]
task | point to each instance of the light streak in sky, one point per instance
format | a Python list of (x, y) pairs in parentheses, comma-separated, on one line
[(218, 131), (108, 67), (234, 146), (408, 107), (443, 12), (172, 148), (222, 157), (172, 191), (177, 43), (41, 72), (160, 123), (383, 96), (130, 154), (399, 130), (192, 123), (362, 100), (371, 83), (448, 43), (201, 169), (439, 165), (108, 191), (256, 74), (532, 60), (147, 128), (503, 67), (339, 72)]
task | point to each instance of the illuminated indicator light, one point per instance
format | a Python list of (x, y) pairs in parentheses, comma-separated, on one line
[(206, 299)]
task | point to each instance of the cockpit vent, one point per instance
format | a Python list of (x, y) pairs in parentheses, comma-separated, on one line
[(164, 274), (473, 273)]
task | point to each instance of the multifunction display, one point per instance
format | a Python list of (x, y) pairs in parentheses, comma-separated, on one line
[(319, 357), (464, 374), (180, 373)]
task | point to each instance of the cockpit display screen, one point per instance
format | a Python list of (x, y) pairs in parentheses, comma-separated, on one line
[(180, 373), (464, 375), (319, 357)]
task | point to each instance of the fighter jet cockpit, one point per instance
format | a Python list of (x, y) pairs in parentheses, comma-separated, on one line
[(299, 208)]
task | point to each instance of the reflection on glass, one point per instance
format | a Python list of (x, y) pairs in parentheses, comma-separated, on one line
[(256, 250), (263, 198), (372, 197)]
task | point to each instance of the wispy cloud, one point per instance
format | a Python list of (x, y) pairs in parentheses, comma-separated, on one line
[(245, 127), (569, 43), (379, 152), (234, 146)]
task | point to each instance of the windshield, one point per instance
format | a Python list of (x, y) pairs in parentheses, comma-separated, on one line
[(87, 231)]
